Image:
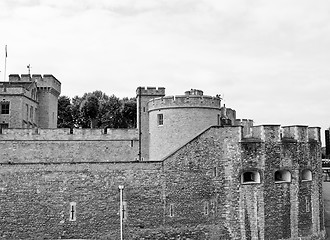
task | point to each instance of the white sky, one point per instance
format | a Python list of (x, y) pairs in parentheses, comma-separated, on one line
[(269, 58)]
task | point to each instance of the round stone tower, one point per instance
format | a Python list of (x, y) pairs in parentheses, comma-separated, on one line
[(174, 120)]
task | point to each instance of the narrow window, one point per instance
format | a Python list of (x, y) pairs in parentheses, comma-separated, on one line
[(124, 210), (144, 109), (71, 130), (31, 113), (215, 171), (171, 210), (72, 211), (160, 118), (282, 176), (308, 204), (206, 208), (250, 177), (219, 120), (306, 175), (132, 143), (27, 112), (213, 206), (5, 108)]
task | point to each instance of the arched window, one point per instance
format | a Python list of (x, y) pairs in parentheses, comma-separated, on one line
[(281, 176), (306, 175), (249, 177)]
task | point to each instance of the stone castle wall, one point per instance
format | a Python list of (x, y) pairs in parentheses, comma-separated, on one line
[(196, 192), (58, 145)]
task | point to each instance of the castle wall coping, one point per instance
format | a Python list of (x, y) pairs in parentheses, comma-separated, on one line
[(183, 101), (35, 134)]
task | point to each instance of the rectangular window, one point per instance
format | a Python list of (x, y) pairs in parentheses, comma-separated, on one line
[(206, 208), (27, 112), (5, 108), (73, 211), (144, 109), (215, 171), (31, 113), (160, 119), (171, 210), (219, 120), (132, 143), (308, 204), (124, 210)]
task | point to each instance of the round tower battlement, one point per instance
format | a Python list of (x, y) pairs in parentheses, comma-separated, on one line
[(184, 101)]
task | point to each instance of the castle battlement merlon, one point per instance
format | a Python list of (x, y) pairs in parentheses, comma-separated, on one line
[(48, 81), (276, 133), (150, 91), (185, 101)]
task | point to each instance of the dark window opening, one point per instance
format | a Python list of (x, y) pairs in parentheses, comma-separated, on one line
[(160, 119), (132, 143), (215, 171), (5, 108), (171, 210), (250, 177), (306, 175), (206, 208), (282, 176), (72, 211)]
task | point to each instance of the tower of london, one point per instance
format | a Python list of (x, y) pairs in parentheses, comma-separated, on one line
[(190, 170)]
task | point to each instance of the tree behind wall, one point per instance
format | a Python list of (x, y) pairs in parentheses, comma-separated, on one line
[(98, 110)]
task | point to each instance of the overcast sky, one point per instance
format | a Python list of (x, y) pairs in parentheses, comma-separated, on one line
[(270, 59)]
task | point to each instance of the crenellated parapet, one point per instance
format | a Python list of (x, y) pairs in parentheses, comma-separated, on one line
[(150, 91), (184, 101), (276, 133), (48, 83)]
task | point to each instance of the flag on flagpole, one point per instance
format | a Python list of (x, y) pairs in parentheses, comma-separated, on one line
[(6, 51)]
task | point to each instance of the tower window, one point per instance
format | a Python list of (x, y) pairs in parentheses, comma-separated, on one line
[(31, 113), (73, 211), (282, 176), (27, 112), (306, 175), (171, 210), (250, 177), (206, 208), (160, 119), (5, 108)]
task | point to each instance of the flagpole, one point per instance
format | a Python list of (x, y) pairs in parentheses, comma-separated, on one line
[(4, 77)]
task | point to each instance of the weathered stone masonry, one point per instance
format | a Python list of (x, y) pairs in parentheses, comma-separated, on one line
[(204, 174), (231, 181)]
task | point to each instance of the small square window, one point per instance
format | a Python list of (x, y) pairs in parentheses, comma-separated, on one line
[(5, 108), (160, 119)]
